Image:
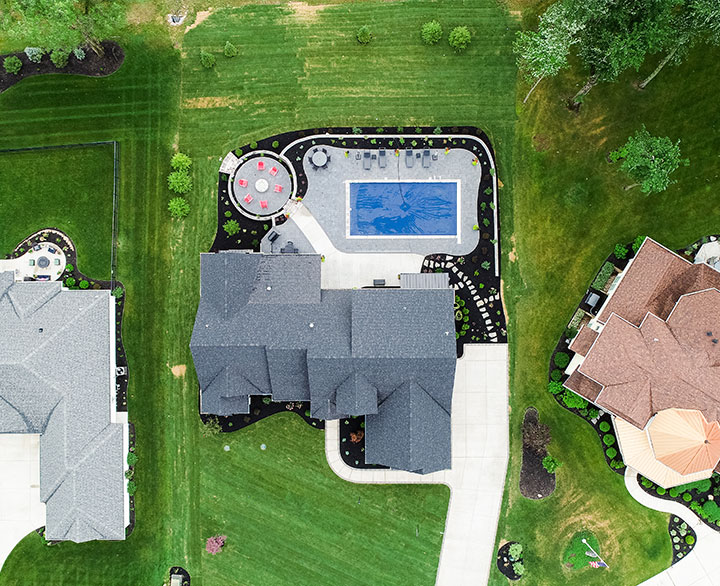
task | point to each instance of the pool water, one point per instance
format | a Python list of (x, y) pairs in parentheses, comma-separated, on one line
[(403, 208)]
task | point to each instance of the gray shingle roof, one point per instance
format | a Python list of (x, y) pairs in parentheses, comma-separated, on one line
[(264, 326), (55, 380)]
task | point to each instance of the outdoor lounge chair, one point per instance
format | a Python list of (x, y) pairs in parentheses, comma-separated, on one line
[(382, 160), (426, 159), (273, 171), (242, 182), (367, 160), (261, 165), (409, 161), (263, 204), (248, 198), (278, 188)]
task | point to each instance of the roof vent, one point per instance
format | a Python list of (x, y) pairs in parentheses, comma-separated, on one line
[(708, 334), (312, 325), (269, 288), (40, 330), (714, 340)]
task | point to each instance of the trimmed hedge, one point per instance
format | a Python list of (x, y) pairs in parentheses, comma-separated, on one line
[(603, 276), (561, 359), (608, 439), (604, 426)]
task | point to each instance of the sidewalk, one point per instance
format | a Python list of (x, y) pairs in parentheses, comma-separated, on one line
[(701, 567), (479, 461)]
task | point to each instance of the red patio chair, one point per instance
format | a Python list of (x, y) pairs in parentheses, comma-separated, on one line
[(261, 165), (263, 204), (248, 198), (242, 182), (273, 171), (278, 188)]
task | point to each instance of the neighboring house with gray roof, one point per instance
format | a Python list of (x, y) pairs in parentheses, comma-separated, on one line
[(265, 327), (57, 379)]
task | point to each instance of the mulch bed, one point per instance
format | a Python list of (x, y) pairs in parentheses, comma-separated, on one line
[(260, 409), (183, 572), (131, 440), (679, 531), (64, 242), (535, 482), (504, 564), (92, 65), (352, 443)]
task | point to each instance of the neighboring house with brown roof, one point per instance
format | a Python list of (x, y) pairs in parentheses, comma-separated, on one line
[(652, 359)]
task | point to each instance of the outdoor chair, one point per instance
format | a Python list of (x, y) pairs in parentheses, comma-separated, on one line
[(261, 165), (278, 188), (242, 182), (409, 160), (382, 161), (367, 161), (426, 159), (248, 198), (263, 204), (273, 171)]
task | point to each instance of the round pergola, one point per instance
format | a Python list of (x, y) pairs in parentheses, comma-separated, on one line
[(261, 184)]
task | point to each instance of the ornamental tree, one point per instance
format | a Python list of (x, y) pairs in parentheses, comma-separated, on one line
[(54, 24), (207, 60), (649, 160), (178, 207), (214, 544), (230, 50), (459, 38), (431, 32)]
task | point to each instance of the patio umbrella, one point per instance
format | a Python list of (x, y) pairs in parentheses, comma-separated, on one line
[(683, 440)]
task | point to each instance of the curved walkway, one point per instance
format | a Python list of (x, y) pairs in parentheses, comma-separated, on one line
[(701, 567), (479, 460)]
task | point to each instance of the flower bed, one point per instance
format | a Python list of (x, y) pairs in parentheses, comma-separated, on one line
[(701, 497), (507, 564), (682, 536), (352, 443), (260, 408)]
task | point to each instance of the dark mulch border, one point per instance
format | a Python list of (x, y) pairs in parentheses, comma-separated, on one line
[(504, 564), (131, 447), (353, 454), (260, 410), (68, 247), (252, 231), (92, 65), (180, 570), (535, 482), (680, 547)]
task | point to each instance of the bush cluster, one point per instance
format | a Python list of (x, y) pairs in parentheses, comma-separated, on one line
[(556, 374), (608, 439), (231, 227), (59, 57), (431, 32), (603, 276), (637, 243), (12, 64), (179, 207), (207, 60), (515, 551), (561, 359), (363, 35), (230, 50), (551, 464), (555, 388), (79, 53), (34, 54), (573, 401), (621, 251), (459, 38), (611, 453)]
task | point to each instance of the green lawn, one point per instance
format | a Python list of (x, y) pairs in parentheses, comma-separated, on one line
[(287, 517), (70, 189), (567, 211)]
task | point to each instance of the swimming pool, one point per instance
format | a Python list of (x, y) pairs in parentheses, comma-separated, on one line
[(403, 208)]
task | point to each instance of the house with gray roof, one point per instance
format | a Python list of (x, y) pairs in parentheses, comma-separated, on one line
[(265, 326), (57, 380)]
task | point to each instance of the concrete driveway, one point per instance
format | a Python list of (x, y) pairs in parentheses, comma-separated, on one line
[(479, 461), (20, 508)]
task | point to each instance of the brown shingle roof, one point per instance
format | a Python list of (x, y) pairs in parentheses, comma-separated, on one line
[(583, 386), (653, 283), (582, 342)]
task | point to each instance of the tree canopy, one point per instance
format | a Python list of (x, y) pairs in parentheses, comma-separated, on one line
[(63, 24)]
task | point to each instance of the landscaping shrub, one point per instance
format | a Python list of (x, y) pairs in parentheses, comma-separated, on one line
[(603, 276), (118, 292), (231, 227), (459, 38), (556, 374), (689, 539), (611, 453), (551, 464), (215, 544), (604, 426), (230, 50), (131, 487), (687, 497), (593, 413), (129, 474), (211, 427), (275, 144), (179, 182), (79, 53), (132, 458), (609, 439), (207, 59), (570, 333), (59, 57), (84, 284), (180, 162), (573, 401), (515, 551), (646, 483), (674, 491), (363, 35), (431, 32), (561, 359), (70, 282), (266, 400), (69, 268), (12, 64), (660, 490), (178, 207), (621, 252), (698, 485), (518, 568), (712, 511), (616, 464), (253, 145), (556, 388), (34, 54), (637, 243)]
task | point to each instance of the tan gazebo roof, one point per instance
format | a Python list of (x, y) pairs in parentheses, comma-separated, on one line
[(683, 440)]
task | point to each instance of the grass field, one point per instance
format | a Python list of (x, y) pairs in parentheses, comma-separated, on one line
[(54, 182), (568, 211)]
